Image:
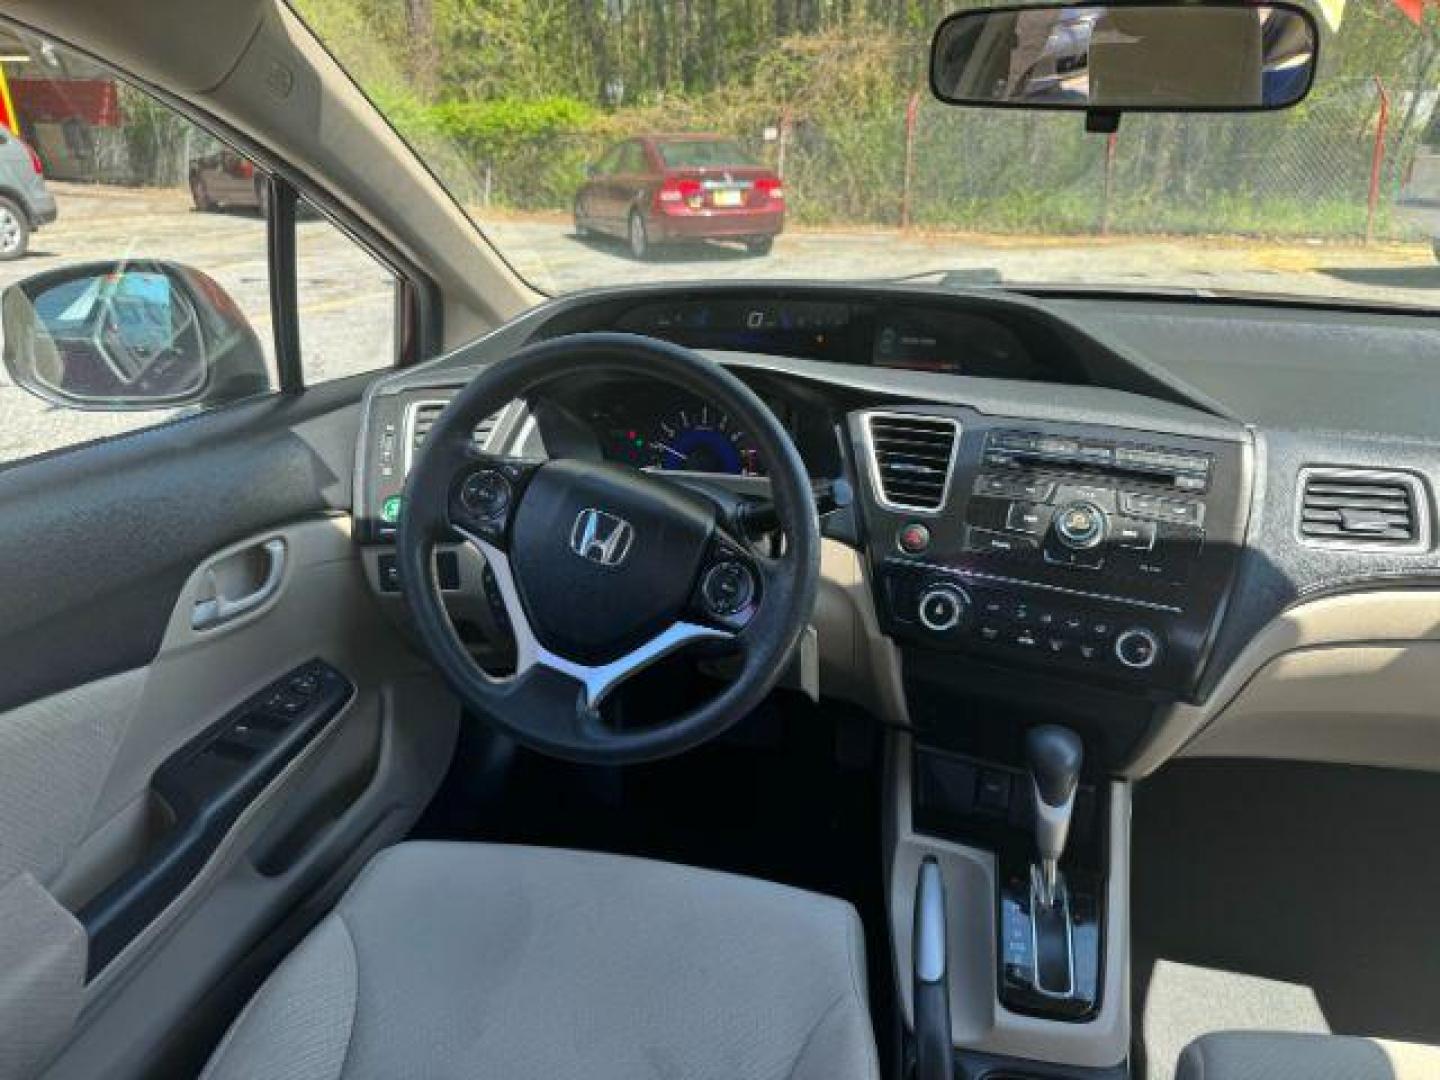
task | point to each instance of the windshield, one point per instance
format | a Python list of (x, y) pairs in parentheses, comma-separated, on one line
[(809, 152)]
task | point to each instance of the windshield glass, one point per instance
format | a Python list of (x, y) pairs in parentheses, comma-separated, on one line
[(812, 151)]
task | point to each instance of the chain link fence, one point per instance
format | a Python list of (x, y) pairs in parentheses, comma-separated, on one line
[(1307, 172)]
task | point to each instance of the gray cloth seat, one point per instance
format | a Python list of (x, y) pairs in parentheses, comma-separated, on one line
[(505, 963), (1265, 1055)]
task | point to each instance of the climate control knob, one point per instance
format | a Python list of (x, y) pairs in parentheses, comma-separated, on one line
[(942, 607), (1080, 525), (1137, 648)]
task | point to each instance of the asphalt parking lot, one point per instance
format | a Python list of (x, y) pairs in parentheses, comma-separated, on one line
[(552, 258), (345, 299)]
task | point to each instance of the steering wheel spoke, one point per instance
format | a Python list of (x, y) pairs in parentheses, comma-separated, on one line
[(594, 682)]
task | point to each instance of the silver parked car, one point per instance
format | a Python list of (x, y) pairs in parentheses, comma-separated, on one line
[(25, 201)]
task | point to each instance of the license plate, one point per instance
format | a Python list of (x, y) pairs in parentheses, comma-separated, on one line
[(728, 197)]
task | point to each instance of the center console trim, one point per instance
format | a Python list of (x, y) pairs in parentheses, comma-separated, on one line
[(978, 1020)]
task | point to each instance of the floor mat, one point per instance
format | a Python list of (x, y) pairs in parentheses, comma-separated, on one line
[(1285, 897)]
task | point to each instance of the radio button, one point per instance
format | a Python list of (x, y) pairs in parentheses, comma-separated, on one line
[(988, 542), (1179, 511), (991, 484), (1024, 518), (942, 607), (1137, 648), (1080, 525), (1183, 511), (1134, 534), (1033, 489), (1103, 497)]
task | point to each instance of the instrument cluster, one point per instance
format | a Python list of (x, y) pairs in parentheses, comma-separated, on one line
[(673, 432)]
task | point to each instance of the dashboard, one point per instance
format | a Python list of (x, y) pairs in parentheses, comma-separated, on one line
[(863, 332), (1085, 512)]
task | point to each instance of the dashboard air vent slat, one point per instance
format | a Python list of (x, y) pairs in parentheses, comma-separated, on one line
[(912, 457), (425, 414), (1362, 509)]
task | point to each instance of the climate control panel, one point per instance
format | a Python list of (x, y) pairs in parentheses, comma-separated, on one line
[(1082, 634), (1100, 553)]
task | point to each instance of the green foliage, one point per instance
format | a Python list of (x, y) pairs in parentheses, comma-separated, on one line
[(517, 95)]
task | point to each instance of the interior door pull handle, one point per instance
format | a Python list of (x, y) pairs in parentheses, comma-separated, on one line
[(230, 588)]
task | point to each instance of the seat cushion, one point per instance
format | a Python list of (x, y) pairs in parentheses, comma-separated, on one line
[(1264, 1055), (482, 961)]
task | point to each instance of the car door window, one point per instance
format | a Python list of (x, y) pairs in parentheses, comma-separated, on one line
[(609, 165), (632, 162), (345, 301), (95, 172)]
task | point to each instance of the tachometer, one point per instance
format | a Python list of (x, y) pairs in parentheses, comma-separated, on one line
[(701, 438)]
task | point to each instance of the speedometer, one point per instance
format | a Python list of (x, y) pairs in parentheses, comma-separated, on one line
[(701, 438)]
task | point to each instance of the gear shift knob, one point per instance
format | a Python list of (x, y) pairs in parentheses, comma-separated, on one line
[(1055, 755)]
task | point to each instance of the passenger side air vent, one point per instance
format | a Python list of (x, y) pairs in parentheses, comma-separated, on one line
[(1362, 508), (911, 458), (422, 417)]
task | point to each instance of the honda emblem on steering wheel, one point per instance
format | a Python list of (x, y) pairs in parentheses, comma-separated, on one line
[(602, 538)]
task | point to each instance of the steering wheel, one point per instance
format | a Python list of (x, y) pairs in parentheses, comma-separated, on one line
[(602, 569)]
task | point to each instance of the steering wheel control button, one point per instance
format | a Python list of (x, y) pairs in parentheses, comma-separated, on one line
[(942, 608), (486, 493), (1137, 648), (913, 538), (1080, 526), (728, 588)]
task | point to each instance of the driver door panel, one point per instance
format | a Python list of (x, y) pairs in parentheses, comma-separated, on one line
[(119, 550)]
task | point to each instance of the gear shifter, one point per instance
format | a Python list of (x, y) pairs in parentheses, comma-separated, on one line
[(1054, 754)]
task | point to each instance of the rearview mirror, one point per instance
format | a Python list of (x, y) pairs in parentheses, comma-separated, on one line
[(1127, 57), (125, 336)]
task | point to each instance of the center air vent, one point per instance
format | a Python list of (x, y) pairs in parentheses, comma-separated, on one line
[(1362, 508), (911, 457), (422, 417)]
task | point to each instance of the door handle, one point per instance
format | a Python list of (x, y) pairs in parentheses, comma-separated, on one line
[(238, 583)]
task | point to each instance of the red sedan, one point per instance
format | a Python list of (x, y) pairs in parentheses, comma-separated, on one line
[(655, 189)]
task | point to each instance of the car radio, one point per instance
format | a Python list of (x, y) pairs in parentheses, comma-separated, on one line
[(1089, 505), (1095, 553)]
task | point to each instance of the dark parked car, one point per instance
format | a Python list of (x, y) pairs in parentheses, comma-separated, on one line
[(225, 179), (656, 189)]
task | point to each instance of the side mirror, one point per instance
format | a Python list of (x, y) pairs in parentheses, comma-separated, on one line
[(112, 337), (1212, 56)]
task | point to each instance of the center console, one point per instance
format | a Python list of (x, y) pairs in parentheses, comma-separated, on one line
[(1099, 555), (1047, 585)]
